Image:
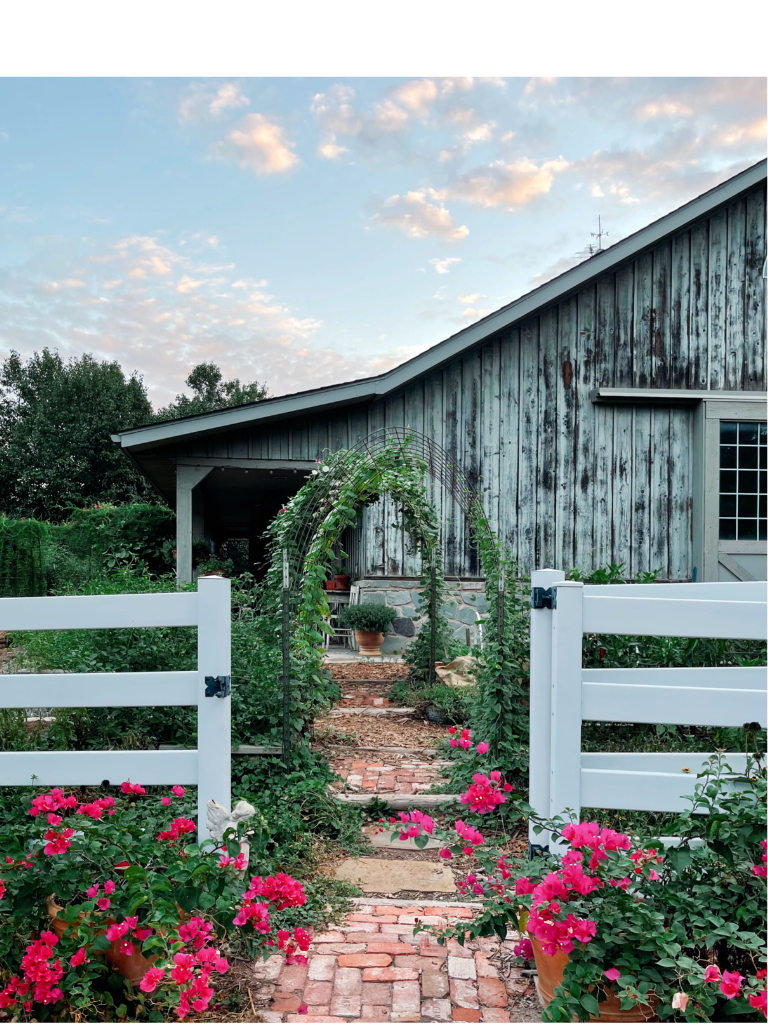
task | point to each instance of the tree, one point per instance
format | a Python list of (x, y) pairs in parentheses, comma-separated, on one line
[(211, 393), (56, 418)]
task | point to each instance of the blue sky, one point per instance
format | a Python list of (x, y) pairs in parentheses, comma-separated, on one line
[(307, 231)]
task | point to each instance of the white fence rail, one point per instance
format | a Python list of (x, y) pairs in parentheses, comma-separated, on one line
[(563, 694), (207, 767)]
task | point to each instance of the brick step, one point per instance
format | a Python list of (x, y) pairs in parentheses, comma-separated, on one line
[(353, 749)]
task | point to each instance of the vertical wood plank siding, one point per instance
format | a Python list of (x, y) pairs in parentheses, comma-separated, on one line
[(565, 481)]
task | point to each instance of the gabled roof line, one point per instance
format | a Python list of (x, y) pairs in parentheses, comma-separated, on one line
[(521, 308)]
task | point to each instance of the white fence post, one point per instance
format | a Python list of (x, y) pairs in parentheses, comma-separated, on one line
[(214, 713), (540, 697), (565, 750)]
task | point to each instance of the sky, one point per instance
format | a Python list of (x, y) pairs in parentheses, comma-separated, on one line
[(303, 232)]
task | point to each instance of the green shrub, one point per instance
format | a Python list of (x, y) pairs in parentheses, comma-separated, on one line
[(374, 618)]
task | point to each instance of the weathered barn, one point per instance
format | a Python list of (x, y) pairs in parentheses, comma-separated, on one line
[(615, 414)]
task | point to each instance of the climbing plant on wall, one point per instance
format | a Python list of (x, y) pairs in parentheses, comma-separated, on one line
[(393, 462)]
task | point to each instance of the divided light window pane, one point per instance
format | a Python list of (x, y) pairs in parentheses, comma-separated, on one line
[(743, 470)]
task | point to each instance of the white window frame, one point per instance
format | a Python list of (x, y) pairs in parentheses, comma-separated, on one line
[(708, 550)]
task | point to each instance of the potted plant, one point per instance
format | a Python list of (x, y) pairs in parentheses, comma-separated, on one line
[(370, 622), (621, 927), (117, 886)]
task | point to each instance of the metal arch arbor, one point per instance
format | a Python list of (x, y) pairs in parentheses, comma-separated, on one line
[(414, 450)]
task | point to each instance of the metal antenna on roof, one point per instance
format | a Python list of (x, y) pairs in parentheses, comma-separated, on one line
[(593, 248), (599, 234)]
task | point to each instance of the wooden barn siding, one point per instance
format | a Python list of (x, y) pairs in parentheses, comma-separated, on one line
[(564, 481)]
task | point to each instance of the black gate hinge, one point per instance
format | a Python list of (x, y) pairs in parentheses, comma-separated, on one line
[(218, 686), (541, 598)]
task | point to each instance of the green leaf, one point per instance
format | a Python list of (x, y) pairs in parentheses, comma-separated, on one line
[(590, 1004)]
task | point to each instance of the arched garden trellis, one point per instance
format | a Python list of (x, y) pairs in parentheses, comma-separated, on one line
[(392, 461)]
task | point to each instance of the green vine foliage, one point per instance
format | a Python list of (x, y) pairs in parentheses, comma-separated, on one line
[(309, 528), (22, 558), (38, 557)]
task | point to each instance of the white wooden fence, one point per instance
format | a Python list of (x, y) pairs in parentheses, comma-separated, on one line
[(563, 694), (207, 767)]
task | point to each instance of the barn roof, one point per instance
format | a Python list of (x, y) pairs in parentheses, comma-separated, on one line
[(368, 388)]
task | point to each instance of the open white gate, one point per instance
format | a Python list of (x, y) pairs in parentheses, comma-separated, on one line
[(207, 767), (563, 694)]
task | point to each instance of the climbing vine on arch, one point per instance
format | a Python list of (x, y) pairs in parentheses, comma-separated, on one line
[(395, 463)]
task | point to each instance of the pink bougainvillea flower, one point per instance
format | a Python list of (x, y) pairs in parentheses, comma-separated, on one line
[(178, 791), (303, 1009), (126, 948), (759, 1001), (465, 743), (680, 1001), (523, 948), (109, 887), (152, 979), (612, 974), (454, 743), (55, 819), (104, 903), (452, 730), (179, 827), (133, 787), (49, 938), (141, 934), (712, 973), (92, 892), (166, 801), (445, 854), (482, 748), (731, 984), (79, 958), (58, 842), (655, 876), (523, 887)]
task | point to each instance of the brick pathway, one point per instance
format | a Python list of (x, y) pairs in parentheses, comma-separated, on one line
[(388, 773), (373, 968), (364, 695)]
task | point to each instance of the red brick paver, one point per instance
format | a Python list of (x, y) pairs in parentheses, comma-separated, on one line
[(388, 772), (360, 973)]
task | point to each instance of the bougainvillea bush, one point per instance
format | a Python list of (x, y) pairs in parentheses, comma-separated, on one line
[(677, 927), (90, 888)]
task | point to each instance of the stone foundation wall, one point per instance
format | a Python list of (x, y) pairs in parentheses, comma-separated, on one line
[(465, 603)]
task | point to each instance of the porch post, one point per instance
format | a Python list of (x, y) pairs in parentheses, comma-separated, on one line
[(187, 478)]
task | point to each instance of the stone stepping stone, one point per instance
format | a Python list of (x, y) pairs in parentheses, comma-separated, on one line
[(382, 841), (398, 801), (373, 875)]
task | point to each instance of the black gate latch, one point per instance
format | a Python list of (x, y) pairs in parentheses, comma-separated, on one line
[(541, 598), (218, 686)]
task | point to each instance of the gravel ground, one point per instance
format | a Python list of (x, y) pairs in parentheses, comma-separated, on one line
[(393, 732), (366, 670)]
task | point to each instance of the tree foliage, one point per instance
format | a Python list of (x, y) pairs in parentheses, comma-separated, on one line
[(211, 392), (56, 418)]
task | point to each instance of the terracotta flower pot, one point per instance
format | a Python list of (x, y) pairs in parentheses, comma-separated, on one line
[(132, 968), (550, 970), (342, 582), (369, 642)]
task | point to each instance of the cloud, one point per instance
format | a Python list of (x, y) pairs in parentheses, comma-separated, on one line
[(162, 325), (415, 215), (414, 103), (443, 266), (200, 102), (469, 300), (475, 314), (510, 184), (664, 108), (259, 144)]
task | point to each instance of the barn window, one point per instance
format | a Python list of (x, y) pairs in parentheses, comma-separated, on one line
[(743, 469)]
